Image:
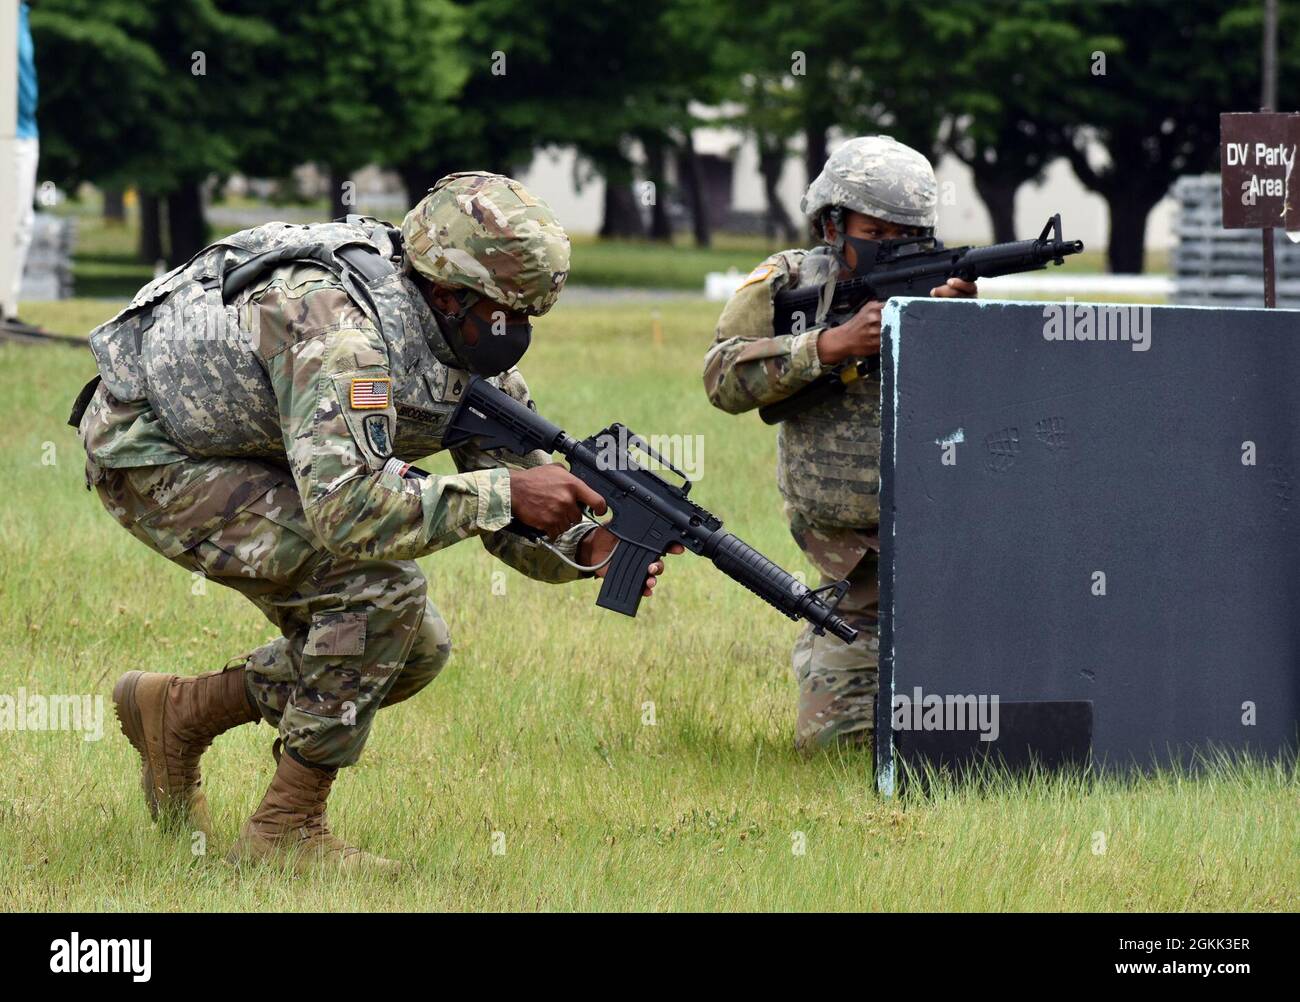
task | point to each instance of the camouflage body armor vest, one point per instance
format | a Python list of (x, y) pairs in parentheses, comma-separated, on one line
[(182, 330), (828, 457)]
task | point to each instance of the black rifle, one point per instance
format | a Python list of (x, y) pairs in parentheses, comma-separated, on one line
[(910, 266), (650, 514)]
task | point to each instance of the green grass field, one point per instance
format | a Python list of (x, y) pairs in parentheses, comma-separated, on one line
[(536, 730), (106, 265)]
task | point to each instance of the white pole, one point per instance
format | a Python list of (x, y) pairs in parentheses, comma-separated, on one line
[(8, 141)]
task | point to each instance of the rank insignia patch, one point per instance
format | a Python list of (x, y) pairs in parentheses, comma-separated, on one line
[(370, 394)]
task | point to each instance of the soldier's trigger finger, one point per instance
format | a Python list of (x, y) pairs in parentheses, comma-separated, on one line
[(590, 498)]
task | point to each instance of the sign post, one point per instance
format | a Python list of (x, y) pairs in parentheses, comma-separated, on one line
[(1257, 153)]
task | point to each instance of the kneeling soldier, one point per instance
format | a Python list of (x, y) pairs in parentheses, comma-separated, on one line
[(828, 457), (253, 421)]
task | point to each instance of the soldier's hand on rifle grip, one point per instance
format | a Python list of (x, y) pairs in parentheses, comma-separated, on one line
[(857, 337), (550, 498), (598, 545), (955, 288)]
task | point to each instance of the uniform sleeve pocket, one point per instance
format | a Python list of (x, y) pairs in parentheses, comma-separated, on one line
[(338, 634)]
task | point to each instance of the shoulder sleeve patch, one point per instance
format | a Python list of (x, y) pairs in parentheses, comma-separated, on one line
[(369, 393), (760, 274)]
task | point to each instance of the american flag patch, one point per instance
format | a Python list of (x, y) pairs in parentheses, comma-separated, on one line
[(759, 274), (370, 394)]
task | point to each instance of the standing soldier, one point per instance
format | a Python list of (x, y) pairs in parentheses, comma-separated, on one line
[(828, 458), (253, 421)]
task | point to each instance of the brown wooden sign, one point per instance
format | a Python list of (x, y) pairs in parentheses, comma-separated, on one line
[(1257, 155)]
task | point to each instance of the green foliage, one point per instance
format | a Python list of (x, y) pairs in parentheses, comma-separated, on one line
[(1166, 78), (352, 83), (152, 93), (1005, 69), (97, 77), (430, 86)]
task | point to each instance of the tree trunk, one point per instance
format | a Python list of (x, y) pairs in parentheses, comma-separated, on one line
[(1128, 226), (187, 231), (661, 227), (771, 162), (150, 248), (814, 156), (689, 164), (343, 194), (1129, 201), (114, 205), (998, 193), (622, 214)]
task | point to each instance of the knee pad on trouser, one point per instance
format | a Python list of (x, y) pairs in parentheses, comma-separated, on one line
[(271, 678), (838, 684), (429, 655)]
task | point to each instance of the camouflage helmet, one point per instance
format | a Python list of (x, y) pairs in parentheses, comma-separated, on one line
[(877, 176), (487, 233)]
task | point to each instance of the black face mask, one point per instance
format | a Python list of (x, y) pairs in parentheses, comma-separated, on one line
[(497, 347)]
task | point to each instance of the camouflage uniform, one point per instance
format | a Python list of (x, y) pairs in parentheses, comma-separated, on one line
[(263, 443), (828, 458)]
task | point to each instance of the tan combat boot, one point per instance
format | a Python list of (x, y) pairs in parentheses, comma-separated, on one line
[(290, 824), (171, 720)]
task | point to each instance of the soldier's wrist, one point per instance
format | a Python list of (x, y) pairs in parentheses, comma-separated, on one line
[(830, 346), (495, 508), (583, 546)]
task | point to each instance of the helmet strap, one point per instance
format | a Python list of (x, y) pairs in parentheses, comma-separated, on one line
[(431, 322), (836, 215)]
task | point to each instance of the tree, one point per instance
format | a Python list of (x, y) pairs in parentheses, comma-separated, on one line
[(1002, 82), (570, 72), (505, 51), (1152, 100), (98, 77), (771, 115), (141, 93), (790, 64), (799, 69), (369, 83)]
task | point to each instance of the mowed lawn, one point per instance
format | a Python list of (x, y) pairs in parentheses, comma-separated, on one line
[(568, 758)]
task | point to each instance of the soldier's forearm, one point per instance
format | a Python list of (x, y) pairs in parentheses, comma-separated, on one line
[(740, 375), (383, 517)]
